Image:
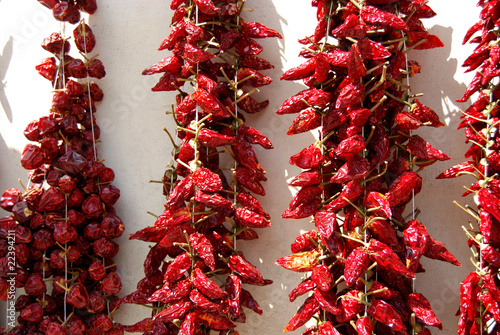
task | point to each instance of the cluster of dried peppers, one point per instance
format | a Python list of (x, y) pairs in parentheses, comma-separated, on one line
[(360, 265), (194, 275), (57, 244), (479, 292)]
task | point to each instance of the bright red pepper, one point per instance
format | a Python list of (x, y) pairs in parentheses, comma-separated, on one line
[(305, 312), (205, 285), (423, 311), (387, 259), (384, 313), (356, 265)]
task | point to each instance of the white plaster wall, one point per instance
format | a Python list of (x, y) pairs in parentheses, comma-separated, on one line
[(132, 117)]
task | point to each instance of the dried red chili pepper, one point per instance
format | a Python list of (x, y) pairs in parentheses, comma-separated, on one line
[(215, 321), (205, 285), (301, 289), (383, 312), (308, 158), (364, 326), (246, 271), (423, 311), (387, 259), (178, 267), (305, 312), (356, 264), (203, 248), (349, 305), (300, 262), (234, 287), (171, 292), (175, 311)]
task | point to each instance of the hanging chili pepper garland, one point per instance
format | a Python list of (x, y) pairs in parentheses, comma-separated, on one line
[(64, 223), (360, 268), (479, 298), (194, 274)]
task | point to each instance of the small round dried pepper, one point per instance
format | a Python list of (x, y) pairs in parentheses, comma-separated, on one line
[(63, 226)]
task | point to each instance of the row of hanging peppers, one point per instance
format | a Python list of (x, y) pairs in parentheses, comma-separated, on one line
[(479, 291), (194, 274), (63, 224), (365, 165)]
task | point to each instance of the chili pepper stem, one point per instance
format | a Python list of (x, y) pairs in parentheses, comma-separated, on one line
[(150, 213), (245, 79), (176, 147), (376, 68), (357, 299), (404, 38), (398, 99), (353, 40), (371, 220), (414, 46), (356, 4), (376, 176), (312, 240), (372, 131), (383, 76), (376, 291), (231, 83), (229, 153), (353, 239), (185, 165), (67, 319), (314, 43), (238, 231), (206, 217), (175, 116), (320, 143), (377, 85), (238, 120), (63, 287), (255, 90), (381, 101), (222, 258), (394, 81), (187, 130), (413, 323), (467, 211), (467, 232), (229, 246), (361, 212), (377, 31)]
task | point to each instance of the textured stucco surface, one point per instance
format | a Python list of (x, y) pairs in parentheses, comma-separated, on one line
[(133, 143)]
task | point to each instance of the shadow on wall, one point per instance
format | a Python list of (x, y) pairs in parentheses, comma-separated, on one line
[(10, 170), (5, 59), (441, 93)]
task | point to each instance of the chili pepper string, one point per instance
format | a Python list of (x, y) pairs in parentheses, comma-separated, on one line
[(355, 85), (92, 127), (195, 247), (479, 310), (63, 168)]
